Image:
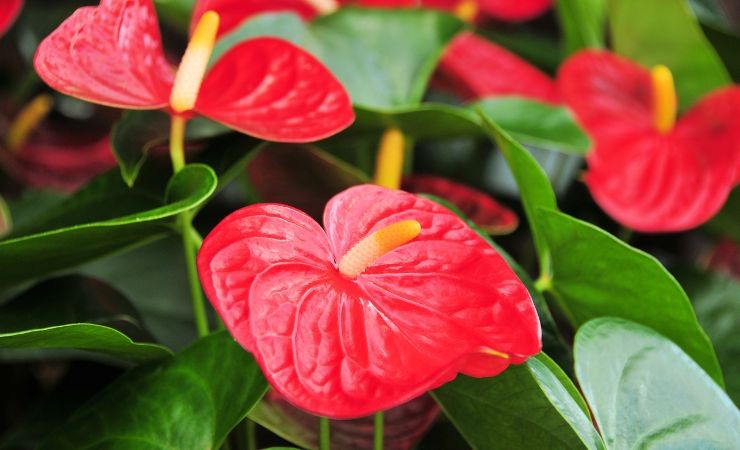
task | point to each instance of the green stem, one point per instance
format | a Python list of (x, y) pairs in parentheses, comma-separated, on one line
[(625, 234), (378, 430), (324, 437), (190, 239), (251, 434)]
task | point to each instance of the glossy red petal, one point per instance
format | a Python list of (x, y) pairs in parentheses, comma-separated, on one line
[(234, 12), (110, 54), (610, 95), (273, 90), (246, 243), (9, 10), (514, 11), (478, 206), (473, 68)]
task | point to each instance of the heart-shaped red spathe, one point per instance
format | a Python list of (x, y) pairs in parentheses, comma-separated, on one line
[(271, 89), (410, 322), (234, 12), (474, 68), (647, 180), (9, 10), (265, 87)]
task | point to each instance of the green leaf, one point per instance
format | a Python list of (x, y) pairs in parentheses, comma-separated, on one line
[(6, 220), (714, 296), (725, 222), (189, 401), (667, 32), (425, 121), (104, 217), (533, 184), (583, 23), (595, 274), (385, 66), (138, 132), (537, 124), (532, 405), (646, 393), (76, 313)]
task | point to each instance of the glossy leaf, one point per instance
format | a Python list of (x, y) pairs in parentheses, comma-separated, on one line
[(645, 392), (138, 132), (501, 412), (287, 265), (425, 121), (595, 274), (300, 176), (104, 217), (537, 124), (474, 68), (383, 68), (191, 400), (271, 89), (532, 181), (583, 23), (667, 32), (76, 313), (110, 54), (714, 296)]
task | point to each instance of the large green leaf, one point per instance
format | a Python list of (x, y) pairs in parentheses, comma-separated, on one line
[(594, 274), (383, 57), (667, 32), (533, 405), (138, 132), (583, 23), (189, 401), (533, 183), (425, 121), (715, 299), (646, 393), (104, 217), (537, 124), (76, 313)]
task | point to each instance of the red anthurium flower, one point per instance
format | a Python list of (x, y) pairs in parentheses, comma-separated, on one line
[(487, 213), (473, 68), (234, 12), (9, 10), (394, 298), (265, 87), (648, 171)]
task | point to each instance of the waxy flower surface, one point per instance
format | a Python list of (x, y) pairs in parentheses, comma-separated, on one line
[(9, 10), (473, 68), (265, 87), (396, 296), (648, 171)]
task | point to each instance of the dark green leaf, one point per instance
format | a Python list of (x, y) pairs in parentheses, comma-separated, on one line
[(537, 124), (715, 299), (583, 23), (533, 184), (138, 132), (595, 274), (383, 57), (425, 121), (76, 313), (667, 32), (533, 405), (725, 222), (189, 401), (104, 217), (646, 393)]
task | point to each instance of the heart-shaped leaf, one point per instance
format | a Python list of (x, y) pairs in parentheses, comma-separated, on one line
[(76, 313), (386, 66), (645, 392), (537, 124), (595, 274), (493, 413), (189, 401), (667, 32), (103, 217)]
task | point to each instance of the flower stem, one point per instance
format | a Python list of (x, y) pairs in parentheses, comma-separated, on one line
[(378, 431), (324, 437), (625, 234), (251, 434), (190, 239)]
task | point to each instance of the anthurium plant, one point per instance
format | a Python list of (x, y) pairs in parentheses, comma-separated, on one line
[(369, 224)]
